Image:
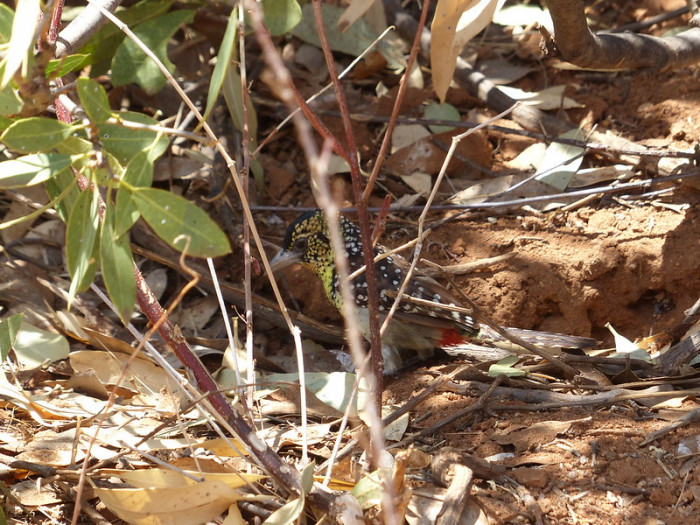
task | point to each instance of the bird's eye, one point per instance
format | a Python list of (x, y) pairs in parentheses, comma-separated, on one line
[(300, 243)]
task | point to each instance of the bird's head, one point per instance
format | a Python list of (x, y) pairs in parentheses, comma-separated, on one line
[(306, 242)]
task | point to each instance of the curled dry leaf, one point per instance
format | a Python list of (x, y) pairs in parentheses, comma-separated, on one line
[(456, 22)]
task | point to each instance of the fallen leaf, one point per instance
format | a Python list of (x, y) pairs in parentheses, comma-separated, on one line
[(185, 505), (534, 435)]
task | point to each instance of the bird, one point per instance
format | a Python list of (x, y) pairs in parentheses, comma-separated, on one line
[(427, 318)]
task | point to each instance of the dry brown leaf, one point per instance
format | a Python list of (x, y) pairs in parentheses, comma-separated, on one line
[(426, 504), (59, 449), (537, 434), (30, 495), (229, 448), (166, 478), (419, 182), (455, 23), (185, 505), (154, 386)]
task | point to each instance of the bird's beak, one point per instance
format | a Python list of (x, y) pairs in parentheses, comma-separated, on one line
[(284, 259)]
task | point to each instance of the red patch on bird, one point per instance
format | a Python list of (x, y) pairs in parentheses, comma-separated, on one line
[(450, 337)]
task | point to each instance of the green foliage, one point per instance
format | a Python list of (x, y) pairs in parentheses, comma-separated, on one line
[(31, 169), (8, 332), (21, 39), (180, 223), (125, 142), (100, 48), (6, 17), (436, 111), (117, 266), (132, 65), (281, 16), (59, 67), (226, 80), (10, 102), (227, 53), (94, 99), (81, 240), (35, 134), (112, 153), (139, 174)]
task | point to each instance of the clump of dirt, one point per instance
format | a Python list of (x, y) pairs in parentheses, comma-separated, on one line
[(575, 272)]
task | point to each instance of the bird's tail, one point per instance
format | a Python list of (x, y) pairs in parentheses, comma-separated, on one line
[(539, 338)]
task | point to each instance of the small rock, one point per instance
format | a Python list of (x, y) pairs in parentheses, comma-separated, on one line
[(662, 497), (531, 477)]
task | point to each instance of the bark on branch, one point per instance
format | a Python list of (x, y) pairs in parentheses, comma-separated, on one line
[(575, 43)]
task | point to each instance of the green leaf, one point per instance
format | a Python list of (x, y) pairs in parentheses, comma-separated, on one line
[(101, 47), (81, 150), (286, 514), (436, 111), (8, 332), (334, 389), (234, 100), (505, 367), (31, 169), (117, 267), (223, 61), (370, 490), (10, 101), (6, 17), (561, 161), (59, 67), (81, 241), (626, 348), (307, 477), (139, 174), (94, 99), (5, 123), (353, 41), (176, 220), (58, 184), (22, 40), (35, 346), (35, 134), (281, 16), (130, 64), (125, 143)]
